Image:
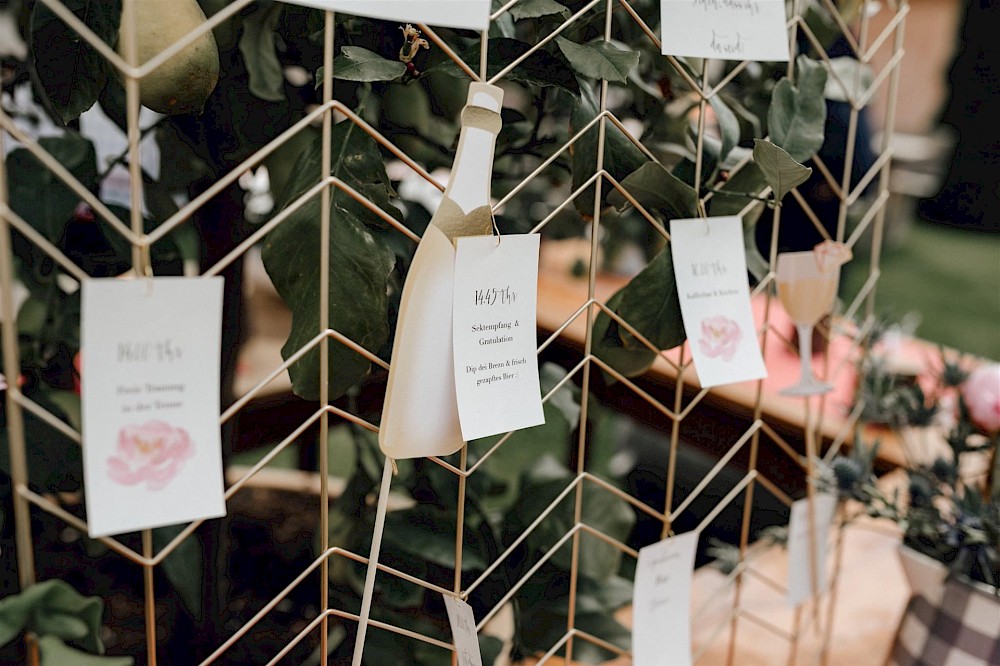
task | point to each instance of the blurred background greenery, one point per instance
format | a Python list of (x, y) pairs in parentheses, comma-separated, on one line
[(947, 279)]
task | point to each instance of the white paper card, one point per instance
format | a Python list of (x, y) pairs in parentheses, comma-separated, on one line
[(463, 631), (420, 413), (799, 573), (711, 272), (661, 602), (150, 353), (496, 365), (725, 29), (469, 14)]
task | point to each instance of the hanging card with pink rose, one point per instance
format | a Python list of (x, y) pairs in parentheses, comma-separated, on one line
[(712, 284), (150, 364)]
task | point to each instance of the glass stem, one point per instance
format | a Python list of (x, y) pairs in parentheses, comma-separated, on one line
[(805, 352)]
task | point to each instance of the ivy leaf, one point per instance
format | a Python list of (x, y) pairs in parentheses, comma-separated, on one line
[(71, 72), (780, 171), (259, 49), (599, 59), (729, 126), (360, 264), (56, 653), (357, 64), (621, 157), (658, 191), (541, 68), (529, 9), (797, 117)]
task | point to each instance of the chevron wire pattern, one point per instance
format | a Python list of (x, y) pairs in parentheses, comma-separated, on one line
[(757, 433)]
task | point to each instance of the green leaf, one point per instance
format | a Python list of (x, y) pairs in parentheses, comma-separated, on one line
[(521, 451), (544, 609), (567, 398), (183, 567), (69, 403), (65, 627), (259, 49), (797, 116), (490, 648), (53, 607), (601, 510), (729, 126), (651, 305), (529, 9), (360, 263), (504, 25), (356, 161), (621, 157), (56, 653), (71, 72), (421, 533), (359, 270), (55, 462), (599, 59), (609, 345), (541, 68), (38, 195), (658, 191), (757, 264), (780, 171), (357, 64), (849, 81)]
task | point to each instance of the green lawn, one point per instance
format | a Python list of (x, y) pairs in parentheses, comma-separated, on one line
[(949, 276)]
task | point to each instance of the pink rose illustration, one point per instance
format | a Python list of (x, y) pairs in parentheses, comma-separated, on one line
[(152, 453), (981, 393), (720, 336)]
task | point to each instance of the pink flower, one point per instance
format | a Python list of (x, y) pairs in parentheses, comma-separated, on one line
[(720, 336), (981, 393), (152, 452)]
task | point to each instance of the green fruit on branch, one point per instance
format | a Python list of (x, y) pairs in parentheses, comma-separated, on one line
[(184, 82)]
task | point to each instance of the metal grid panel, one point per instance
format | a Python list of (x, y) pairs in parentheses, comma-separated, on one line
[(705, 84)]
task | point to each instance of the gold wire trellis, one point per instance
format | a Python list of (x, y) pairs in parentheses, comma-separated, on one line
[(864, 46)]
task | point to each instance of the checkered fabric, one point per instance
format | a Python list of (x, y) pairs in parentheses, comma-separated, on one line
[(963, 630)]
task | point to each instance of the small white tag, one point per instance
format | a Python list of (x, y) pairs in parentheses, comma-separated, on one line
[(799, 573), (463, 632), (725, 29), (150, 394), (711, 272), (469, 14), (661, 602), (496, 362)]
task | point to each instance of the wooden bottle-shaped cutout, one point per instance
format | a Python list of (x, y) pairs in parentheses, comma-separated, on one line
[(420, 414)]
